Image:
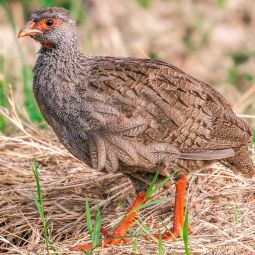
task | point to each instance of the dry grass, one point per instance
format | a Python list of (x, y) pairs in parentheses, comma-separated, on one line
[(127, 30), (66, 181)]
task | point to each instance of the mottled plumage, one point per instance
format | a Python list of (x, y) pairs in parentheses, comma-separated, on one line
[(130, 114), (136, 116)]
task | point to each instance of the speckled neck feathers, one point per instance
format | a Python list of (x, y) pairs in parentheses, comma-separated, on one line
[(61, 59)]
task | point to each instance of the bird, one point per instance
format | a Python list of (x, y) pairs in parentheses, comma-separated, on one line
[(132, 115)]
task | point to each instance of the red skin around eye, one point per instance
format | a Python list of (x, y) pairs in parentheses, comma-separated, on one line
[(41, 25)]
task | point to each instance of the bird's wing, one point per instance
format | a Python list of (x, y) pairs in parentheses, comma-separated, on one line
[(145, 111)]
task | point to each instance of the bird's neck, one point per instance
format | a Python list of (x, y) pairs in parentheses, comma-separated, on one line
[(65, 50), (62, 58)]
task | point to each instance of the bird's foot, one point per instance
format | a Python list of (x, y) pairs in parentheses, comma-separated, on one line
[(172, 234), (118, 235), (107, 241)]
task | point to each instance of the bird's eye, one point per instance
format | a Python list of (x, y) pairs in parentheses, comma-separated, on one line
[(49, 22)]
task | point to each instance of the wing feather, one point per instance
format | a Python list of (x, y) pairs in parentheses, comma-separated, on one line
[(149, 111)]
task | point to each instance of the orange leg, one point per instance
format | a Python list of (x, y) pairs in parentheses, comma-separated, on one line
[(119, 233), (178, 211)]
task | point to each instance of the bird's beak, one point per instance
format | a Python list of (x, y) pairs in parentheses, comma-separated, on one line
[(28, 30)]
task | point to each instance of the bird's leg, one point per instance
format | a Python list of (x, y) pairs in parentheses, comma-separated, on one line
[(178, 223), (119, 233)]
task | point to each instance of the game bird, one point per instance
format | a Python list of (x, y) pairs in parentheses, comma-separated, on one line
[(132, 115)]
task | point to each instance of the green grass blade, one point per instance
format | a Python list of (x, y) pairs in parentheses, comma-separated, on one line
[(53, 248), (185, 233), (77, 12), (30, 103), (139, 207), (146, 230), (88, 218), (236, 214), (148, 194), (149, 191), (38, 186), (97, 232), (150, 203), (39, 204), (167, 229), (160, 245), (135, 247), (46, 3), (3, 97), (144, 3), (161, 184), (221, 3), (39, 208)]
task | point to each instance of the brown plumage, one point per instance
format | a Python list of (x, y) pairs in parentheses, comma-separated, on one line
[(128, 114)]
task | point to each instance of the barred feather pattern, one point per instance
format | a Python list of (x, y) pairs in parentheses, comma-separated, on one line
[(130, 114)]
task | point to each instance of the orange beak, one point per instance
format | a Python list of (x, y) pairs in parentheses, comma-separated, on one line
[(28, 30)]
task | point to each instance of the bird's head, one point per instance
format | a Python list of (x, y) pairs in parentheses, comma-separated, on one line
[(50, 26)]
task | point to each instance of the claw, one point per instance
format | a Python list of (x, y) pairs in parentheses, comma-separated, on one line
[(83, 247), (109, 241), (171, 235)]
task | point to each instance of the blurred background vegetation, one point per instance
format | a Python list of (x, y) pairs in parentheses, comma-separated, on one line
[(214, 40)]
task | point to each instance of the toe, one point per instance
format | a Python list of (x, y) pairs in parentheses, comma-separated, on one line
[(83, 247)]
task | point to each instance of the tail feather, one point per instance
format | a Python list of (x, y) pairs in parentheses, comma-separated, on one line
[(208, 155)]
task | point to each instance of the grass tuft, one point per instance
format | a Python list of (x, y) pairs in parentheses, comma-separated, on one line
[(39, 204), (95, 231)]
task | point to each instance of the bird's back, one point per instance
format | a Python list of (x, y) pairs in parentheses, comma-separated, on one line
[(155, 112), (143, 113)]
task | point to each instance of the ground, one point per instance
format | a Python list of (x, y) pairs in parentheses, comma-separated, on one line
[(221, 204)]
